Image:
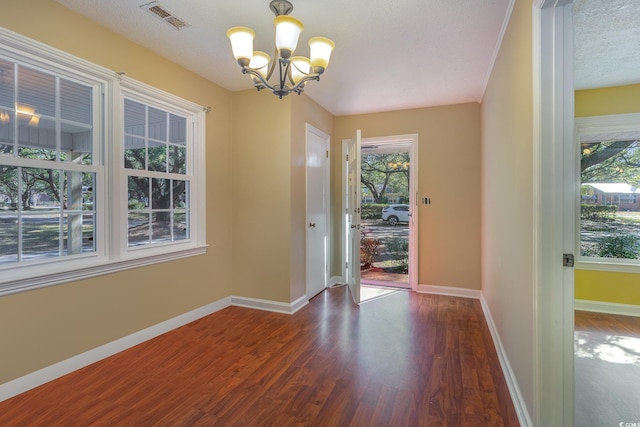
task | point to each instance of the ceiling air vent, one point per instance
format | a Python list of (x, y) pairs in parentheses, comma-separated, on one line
[(168, 17)]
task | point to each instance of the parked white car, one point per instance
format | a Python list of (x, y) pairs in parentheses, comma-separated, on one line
[(394, 214)]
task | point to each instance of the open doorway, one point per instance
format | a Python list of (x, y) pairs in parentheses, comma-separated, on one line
[(387, 245)]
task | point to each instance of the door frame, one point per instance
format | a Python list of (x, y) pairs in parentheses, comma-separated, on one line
[(309, 129), (553, 211), (413, 197)]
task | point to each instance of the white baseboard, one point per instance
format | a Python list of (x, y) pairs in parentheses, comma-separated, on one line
[(512, 383), (336, 280), (57, 370), (450, 291), (267, 305), (607, 307)]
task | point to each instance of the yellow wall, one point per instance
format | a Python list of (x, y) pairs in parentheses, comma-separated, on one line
[(606, 101), (449, 173), (507, 198), (607, 286), (261, 195), (41, 327)]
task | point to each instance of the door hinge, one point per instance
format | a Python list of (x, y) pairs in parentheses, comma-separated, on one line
[(567, 260), (347, 157), (327, 154), (346, 265)]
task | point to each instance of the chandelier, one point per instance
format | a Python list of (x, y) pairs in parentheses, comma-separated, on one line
[(292, 71)]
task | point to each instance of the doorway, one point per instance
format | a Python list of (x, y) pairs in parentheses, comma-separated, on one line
[(386, 249), (388, 170)]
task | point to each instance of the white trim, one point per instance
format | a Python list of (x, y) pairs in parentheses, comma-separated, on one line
[(413, 142), (553, 204), (449, 290), (268, 305), (326, 182), (57, 370), (512, 384), (336, 280), (618, 267), (607, 307), (496, 49)]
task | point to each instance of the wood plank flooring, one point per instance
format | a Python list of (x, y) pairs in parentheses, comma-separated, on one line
[(607, 369), (404, 359)]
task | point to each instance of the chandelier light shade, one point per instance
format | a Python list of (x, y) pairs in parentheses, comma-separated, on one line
[(293, 71)]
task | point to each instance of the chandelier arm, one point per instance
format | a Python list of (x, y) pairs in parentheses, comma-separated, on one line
[(253, 72), (272, 66), (284, 70), (300, 84)]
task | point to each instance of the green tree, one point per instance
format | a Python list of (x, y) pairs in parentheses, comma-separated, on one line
[(385, 173), (611, 161)]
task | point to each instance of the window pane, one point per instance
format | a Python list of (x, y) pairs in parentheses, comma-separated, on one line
[(157, 156), (177, 159), (134, 118), (37, 138), (7, 103), (6, 132), (138, 229), (36, 94), (88, 233), (40, 235), (8, 187), (7, 89), (180, 229), (8, 237), (75, 102), (180, 194), (609, 199), (157, 124), (138, 193), (134, 153), (161, 226), (178, 129), (40, 189), (161, 194)]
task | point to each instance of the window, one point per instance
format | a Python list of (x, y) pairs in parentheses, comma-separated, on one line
[(74, 206), (156, 157), (609, 170)]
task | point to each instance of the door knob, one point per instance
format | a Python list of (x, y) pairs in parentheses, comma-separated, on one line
[(312, 224)]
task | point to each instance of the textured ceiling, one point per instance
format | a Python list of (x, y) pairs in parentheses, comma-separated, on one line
[(607, 43), (390, 54)]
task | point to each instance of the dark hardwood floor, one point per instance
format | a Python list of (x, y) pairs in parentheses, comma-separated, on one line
[(404, 359), (607, 369)]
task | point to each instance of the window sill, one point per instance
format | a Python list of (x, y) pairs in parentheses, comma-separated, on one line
[(98, 269), (618, 266)]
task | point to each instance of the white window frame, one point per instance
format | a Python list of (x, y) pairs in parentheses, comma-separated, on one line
[(603, 128), (112, 253)]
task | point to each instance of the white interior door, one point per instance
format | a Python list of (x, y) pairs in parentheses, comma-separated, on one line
[(352, 222), (317, 265)]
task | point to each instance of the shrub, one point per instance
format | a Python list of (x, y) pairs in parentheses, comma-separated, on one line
[(368, 250), (371, 211), (598, 212), (135, 204), (399, 249), (618, 246)]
